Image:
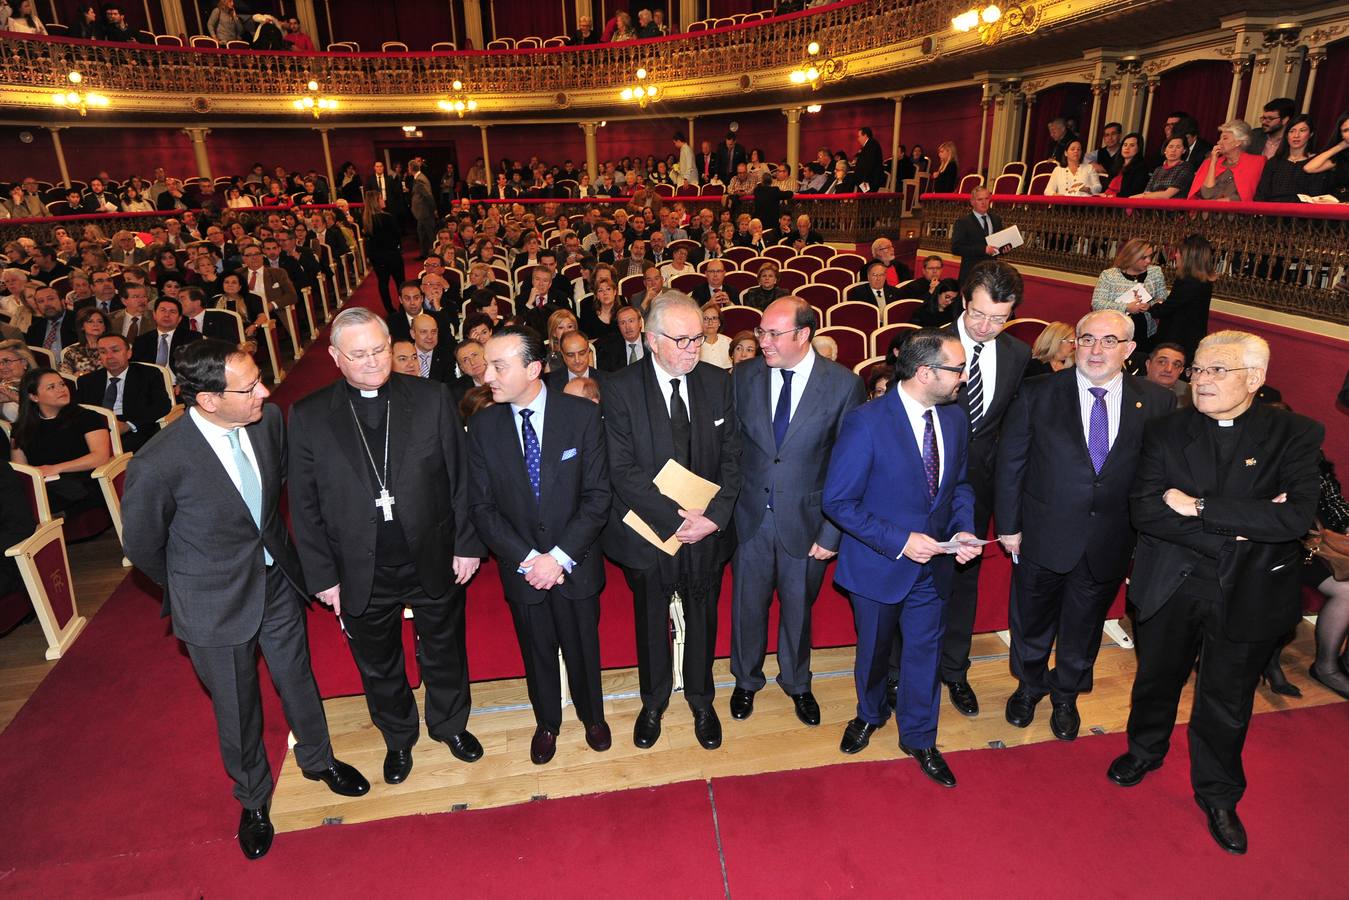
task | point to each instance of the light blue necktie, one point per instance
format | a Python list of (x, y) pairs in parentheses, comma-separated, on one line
[(249, 486), (162, 359)]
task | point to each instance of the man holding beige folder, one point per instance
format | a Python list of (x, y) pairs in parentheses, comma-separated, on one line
[(669, 408)]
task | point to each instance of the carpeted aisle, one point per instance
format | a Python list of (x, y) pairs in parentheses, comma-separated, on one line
[(1043, 821)]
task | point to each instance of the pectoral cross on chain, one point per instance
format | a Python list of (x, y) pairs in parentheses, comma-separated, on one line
[(386, 502)]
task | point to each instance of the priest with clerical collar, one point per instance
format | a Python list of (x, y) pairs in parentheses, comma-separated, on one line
[(378, 500)]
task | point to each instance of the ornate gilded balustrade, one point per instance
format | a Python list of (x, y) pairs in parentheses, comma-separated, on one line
[(852, 27), (1287, 257)]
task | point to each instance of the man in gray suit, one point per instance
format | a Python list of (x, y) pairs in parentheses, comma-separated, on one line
[(201, 519), (790, 403), (423, 208)]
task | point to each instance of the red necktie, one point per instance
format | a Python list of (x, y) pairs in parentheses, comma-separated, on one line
[(252, 281), (192, 323)]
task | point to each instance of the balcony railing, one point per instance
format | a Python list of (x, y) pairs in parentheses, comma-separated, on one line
[(1288, 257), (853, 26)]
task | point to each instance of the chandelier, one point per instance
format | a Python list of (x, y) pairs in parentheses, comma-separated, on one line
[(993, 22), (81, 101), (314, 102), (457, 104), (641, 93)]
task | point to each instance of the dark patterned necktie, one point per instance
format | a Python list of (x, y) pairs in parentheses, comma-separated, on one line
[(533, 454), (974, 389), (1098, 430), (931, 456)]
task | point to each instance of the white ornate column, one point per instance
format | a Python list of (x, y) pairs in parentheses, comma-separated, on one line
[(328, 160), (592, 150), (892, 184), (1097, 89), (473, 25), (60, 153), (174, 23), (1315, 56), (487, 159), (793, 137), (1154, 82), (1276, 71), (1239, 67), (198, 136), (984, 102), (1029, 107)]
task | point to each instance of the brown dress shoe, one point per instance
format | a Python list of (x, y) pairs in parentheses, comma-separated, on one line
[(542, 748), (598, 737)]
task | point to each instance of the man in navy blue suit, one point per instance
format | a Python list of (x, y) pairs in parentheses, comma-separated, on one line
[(896, 488)]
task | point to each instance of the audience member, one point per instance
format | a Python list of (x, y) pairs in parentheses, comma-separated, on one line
[(947, 176), (1285, 175), (1053, 351), (766, 291), (969, 234), (1173, 177), (1133, 285), (1131, 176), (1073, 177), (1183, 318), (135, 394), (1334, 161), (1163, 368), (1230, 173), (1275, 116), (82, 356), (716, 346), (15, 361), (874, 289), (58, 437), (1107, 159)]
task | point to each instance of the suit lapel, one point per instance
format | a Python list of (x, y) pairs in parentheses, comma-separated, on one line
[(213, 469), (662, 439), (400, 423), (759, 397), (266, 457), (1199, 456), (1249, 458), (1070, 409), (811, 401), (343, 424), (549, 442), (1132, 412), (910, 461), (700, 421)]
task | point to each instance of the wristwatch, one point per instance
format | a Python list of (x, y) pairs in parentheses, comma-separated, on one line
[(1199, 506)]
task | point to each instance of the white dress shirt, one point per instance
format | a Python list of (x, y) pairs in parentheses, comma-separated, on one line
[(913, 412), (219, 440), (988, 362), (800, 375), (663, 382), (536, 409), (120, 387), (1114, 396)]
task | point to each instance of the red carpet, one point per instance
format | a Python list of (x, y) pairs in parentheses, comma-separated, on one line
[(1043, 821)]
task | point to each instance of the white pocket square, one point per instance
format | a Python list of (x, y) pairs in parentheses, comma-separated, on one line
[(717, 424), (568, 454)]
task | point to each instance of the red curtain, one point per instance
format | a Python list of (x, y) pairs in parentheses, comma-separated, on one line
[(1200, 89), (1070, 101), (1329, 100), (529, 18)]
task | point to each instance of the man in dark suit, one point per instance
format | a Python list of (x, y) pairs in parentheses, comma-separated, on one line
[(869, 165), (1224, 493), (136, 394), (423, 207), (576, 358), (996, 362), (201, 518), (160, 345), (538, 300), (716, 288), (653, 285), (435, 360), (706, 161), (875, 291), (896, 488), (472, 369), (412, 305), (790, 403), (803, 235), (390, 189), (628, 346), (379, 502), (728, 157), (969, 233), (54, 327), (1066, 462), (211, 323), (539, 493), (671, 407)]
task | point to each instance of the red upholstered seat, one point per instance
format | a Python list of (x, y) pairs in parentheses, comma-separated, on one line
[(735, 319)]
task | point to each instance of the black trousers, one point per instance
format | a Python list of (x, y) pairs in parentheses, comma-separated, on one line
[(1190, 623), (651, 608), (388, 269), (230, 674), (376, 638), (1067, 607), (963, 602), (572, 626)]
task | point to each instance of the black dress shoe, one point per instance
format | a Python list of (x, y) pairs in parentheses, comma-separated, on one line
[(707, 727), (962, 698), (255, 832), (647, 730), (542, 748), (856, 736), (742, 703), (932, 764), (807, 710), (891, 696), (397, 766), (465, 747), (1021, 707), (341, 779), (1128, 770), (598, 737), (1225, 827), (1064, 721)]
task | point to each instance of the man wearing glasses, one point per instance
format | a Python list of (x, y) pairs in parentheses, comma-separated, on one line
[(669, 406), (790, 404), (379, 503), (202, 519), (1225, 491), (896, 488), (1066, 464), (996, 361)]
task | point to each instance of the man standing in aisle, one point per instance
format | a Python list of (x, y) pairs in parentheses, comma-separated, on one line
[(379, 502), (1225, 491), (790, 404), (539, 489), (669, 406), (896, 488), (423, 207), (202, 519), (1066, 463)]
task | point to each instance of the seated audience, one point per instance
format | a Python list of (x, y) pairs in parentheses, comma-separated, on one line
[(879, 380), (826, 346), (58, 437), (1229, 173), (15, 361), (1132, 177), (716, 346), (1053, 351), (252, 309), (135, 394), (766, 291), (883, 251), (744, 346), (1335, 162), (576, 362), (1173, 177), (1073, 177), (941, 307), (1164, 366), (588, 388), (875, 290), (82, 357), (158, 346), (1285, 175), (614, 351), (599, 314)]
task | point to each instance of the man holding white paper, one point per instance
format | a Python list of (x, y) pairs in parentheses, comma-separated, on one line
[(896, 486), (669, 406)]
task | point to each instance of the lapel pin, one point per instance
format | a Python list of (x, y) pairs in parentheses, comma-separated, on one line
[(1251, 461)]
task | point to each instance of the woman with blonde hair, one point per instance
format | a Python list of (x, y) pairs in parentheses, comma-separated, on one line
[(1053, 351), (560, 323), (947, 177), (1134, 285)]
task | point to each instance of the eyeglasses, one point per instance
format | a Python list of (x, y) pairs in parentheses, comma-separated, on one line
[(760, 333), (960, 369), (361, 356), (1217, 373), (710, 319), (248, 390), (1108, 342), (683, 343), (975, 316)]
